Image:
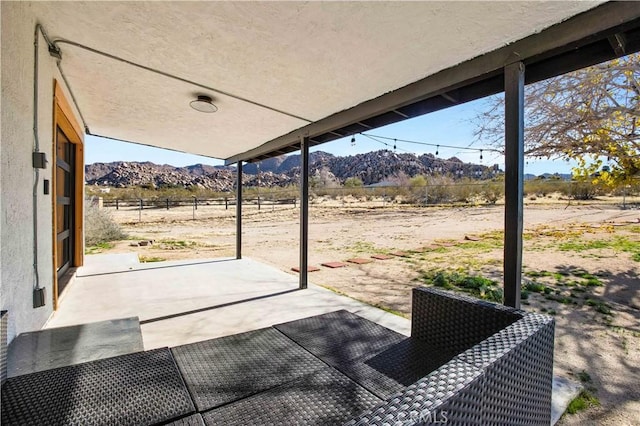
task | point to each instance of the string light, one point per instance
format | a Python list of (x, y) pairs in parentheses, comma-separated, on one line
[(433, 144), (438, 162), (396, 140), (353, 140), (384, 143)]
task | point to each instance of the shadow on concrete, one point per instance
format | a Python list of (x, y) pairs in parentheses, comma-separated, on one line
[(222, 305), (172, 265)]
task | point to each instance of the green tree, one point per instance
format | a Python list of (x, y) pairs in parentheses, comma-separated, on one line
[(588, 115), (353, 182), (418, 181)]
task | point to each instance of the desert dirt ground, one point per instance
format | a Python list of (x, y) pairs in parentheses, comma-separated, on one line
[(581, 262)]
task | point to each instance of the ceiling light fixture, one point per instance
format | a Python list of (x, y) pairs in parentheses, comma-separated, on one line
[(203, 104)]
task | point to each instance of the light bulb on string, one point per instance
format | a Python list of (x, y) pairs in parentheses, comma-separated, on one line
[(353, 140), (394, 144), (437, 149), (481, 155)]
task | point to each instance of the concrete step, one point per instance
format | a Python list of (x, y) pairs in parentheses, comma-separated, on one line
[(564, 391), (97, 264), (58, 347)]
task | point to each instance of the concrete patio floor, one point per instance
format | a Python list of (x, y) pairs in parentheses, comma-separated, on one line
[(182, 302)]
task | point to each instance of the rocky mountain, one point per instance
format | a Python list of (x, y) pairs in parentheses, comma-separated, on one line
[(123, 174), (371, 168), (283, 164)]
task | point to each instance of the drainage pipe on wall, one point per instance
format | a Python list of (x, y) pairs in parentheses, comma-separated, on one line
[(37, 302), (36, 148)]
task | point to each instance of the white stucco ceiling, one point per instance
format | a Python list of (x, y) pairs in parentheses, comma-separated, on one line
[(308, 59)]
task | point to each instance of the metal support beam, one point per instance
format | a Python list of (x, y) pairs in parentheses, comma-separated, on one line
[(304, 211), (449, 98), (619, 44), (239, 212), (513, 181), (400, 114)]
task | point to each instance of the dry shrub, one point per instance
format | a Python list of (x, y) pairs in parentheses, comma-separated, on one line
[(439, 190), (493, 191), (542, 187), (100, 226)]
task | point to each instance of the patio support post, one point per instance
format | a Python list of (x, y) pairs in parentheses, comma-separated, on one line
[(513, 181), (239, 212), (304, 211)]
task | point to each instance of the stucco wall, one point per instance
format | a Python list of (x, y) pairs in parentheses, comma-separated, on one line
[(17, 176)]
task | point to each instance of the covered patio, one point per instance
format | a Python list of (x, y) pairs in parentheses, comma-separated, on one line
[(316, 89)]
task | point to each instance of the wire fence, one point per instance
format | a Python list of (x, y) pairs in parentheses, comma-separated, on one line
[(272, 199), (195, 202)]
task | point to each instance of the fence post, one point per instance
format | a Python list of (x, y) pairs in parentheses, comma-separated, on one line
[(167, 204), (194, 209), (140, 211), (294, 202), (116, 204), (226, 203), (258, 202), (195, 202)]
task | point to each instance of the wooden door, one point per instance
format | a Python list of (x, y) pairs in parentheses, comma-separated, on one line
[(67, 194), (65, 204)]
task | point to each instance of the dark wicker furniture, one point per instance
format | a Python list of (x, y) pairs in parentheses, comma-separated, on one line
[(466, 362), (500, 371)]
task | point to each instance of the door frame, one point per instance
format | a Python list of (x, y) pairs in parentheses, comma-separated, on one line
[(64, 118)]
